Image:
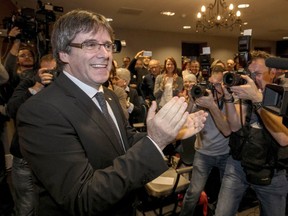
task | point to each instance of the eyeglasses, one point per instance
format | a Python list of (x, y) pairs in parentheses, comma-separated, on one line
[(92, 46)]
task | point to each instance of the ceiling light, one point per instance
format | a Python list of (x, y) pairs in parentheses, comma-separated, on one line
[(218, 14), (186, 27), (109, 19), (167, 13), (243, 6)]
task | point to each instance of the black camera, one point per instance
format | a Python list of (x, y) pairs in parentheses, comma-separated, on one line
[(54, 72), (205, 62), (275, 100), (34, 24), (25, 21), (234, 79), (199, 90), (244, 44), (118, 44)]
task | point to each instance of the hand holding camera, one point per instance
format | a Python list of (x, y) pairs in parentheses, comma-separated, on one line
[(14, 32), (207, 101), (248, 91), (47, 75)]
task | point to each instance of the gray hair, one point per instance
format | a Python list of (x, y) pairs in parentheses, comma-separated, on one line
[(124, 74), (72, 23)]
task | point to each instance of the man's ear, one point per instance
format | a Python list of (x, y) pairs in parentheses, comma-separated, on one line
[(273, 73), (64, 57)]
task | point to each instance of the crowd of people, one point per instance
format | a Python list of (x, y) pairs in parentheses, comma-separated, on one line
[(76, 152)]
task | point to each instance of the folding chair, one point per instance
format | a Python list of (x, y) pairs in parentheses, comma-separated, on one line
[(141, 125), (165, 189)]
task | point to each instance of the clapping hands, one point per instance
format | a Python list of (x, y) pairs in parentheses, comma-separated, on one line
[(173, 122)]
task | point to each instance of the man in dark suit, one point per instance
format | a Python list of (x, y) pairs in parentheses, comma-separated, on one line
[(66, 133), (148, 82), (138, 73)]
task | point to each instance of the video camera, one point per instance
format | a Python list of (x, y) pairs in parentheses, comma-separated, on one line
[(25, 21), (31, 22), (275, 97)]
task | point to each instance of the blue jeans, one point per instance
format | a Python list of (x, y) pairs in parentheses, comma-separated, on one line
[(202, 167), (23, 186), (272, 197)]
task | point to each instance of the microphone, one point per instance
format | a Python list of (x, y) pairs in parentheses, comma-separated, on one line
[(276, 62)]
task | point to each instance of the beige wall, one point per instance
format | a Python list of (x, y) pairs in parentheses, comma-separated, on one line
[(164, 44), (6, 10), (161, 43)]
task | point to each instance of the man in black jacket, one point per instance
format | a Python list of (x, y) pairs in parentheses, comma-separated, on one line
[(21, 172), (6, 201), (148, 82), (66, 132), (257, 139)]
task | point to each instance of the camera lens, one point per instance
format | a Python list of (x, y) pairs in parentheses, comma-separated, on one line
[(233, 79), (228, 79), (198, 91)]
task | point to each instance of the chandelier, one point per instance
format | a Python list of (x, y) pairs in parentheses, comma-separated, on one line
[(218, 15)]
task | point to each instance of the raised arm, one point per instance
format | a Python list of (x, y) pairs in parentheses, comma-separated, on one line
[(218, 116)]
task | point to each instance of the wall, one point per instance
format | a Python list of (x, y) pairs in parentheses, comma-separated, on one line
[(7, 7), (5, 11), (164, 44)]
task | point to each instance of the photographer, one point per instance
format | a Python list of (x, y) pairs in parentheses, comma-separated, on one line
[(19, 62), (21, 173), (256, 153), (211, 144)]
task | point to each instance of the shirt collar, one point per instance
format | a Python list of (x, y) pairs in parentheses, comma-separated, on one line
[(127, 89), (90, 91)]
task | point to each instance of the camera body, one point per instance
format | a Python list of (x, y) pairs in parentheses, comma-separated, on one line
[(54, 72), (118, 44), (234, 78), (205, 62), (275, 100), (244, 44), (25, 21), (32, 22), (199, 90)]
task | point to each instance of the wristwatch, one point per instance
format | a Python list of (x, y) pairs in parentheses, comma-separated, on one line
[(257, 105)]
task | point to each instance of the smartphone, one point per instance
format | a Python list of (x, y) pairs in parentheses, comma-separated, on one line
[(147, 53)]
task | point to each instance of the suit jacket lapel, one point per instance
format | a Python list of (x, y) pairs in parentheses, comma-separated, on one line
[(86, 104)]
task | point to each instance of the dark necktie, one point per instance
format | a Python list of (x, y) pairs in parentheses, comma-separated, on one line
[(102, 102)]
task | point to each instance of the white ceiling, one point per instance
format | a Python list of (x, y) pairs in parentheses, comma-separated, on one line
[(268, 19)]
